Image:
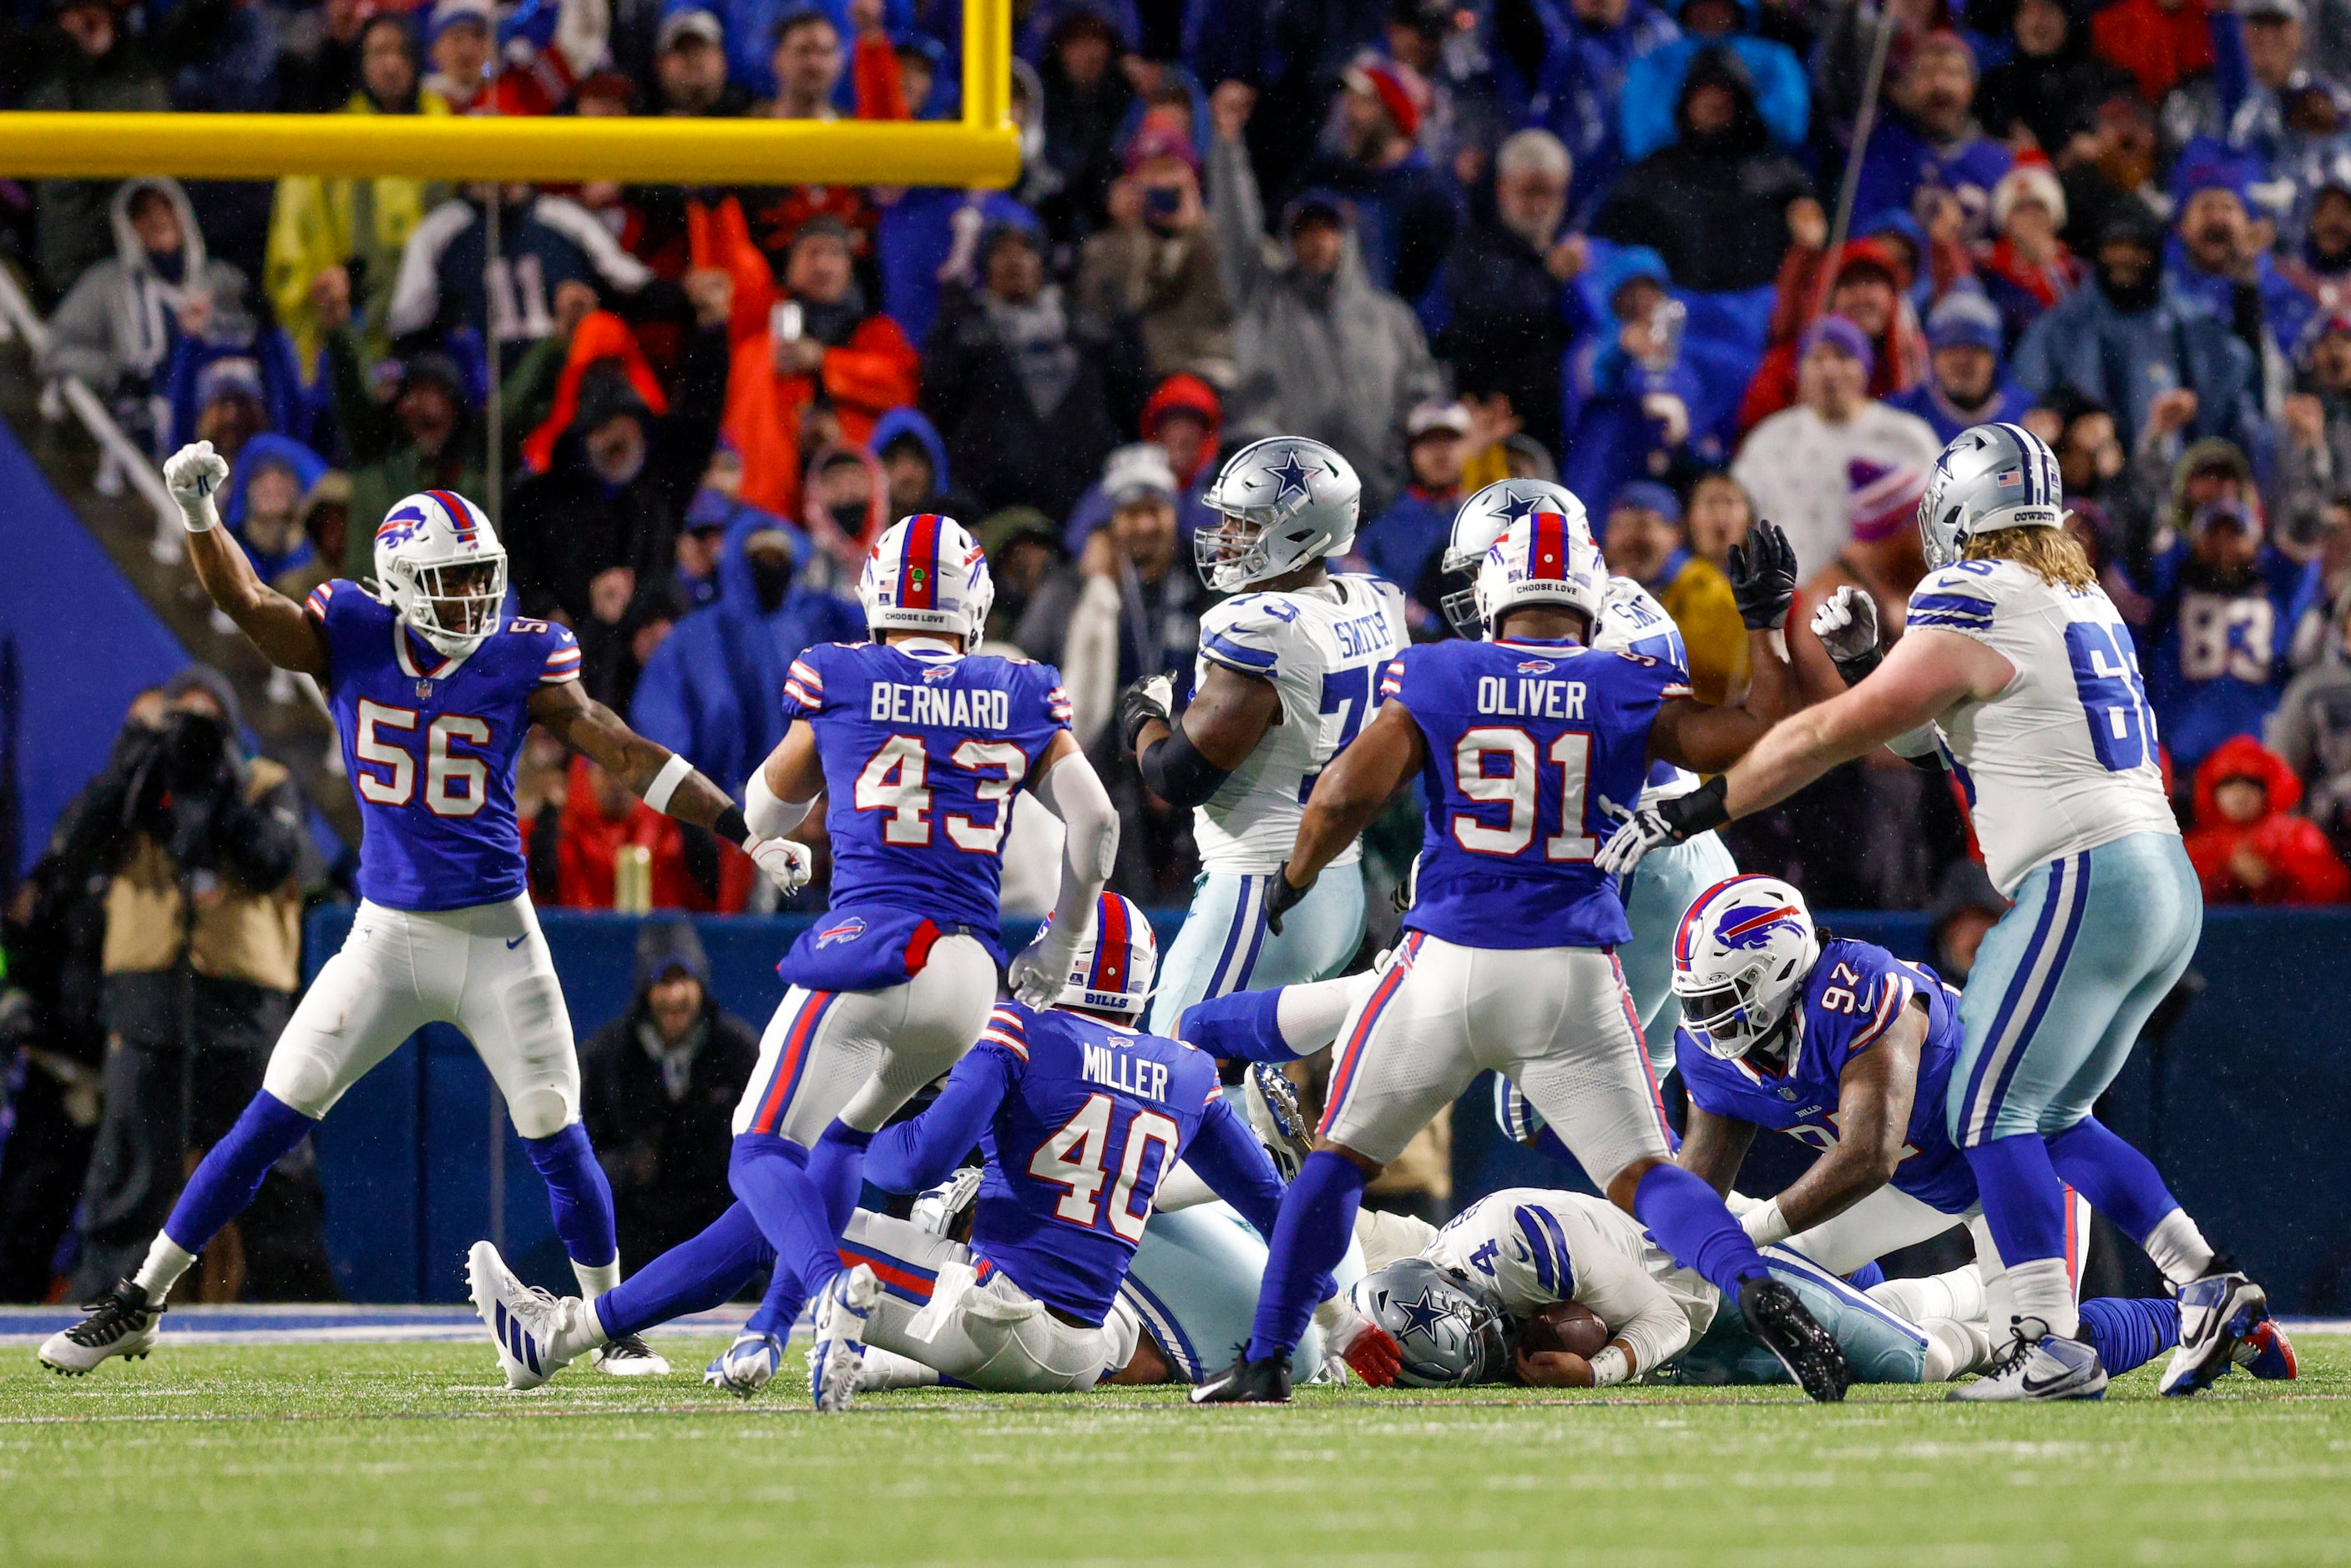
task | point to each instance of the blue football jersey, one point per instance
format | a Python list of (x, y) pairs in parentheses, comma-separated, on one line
[(1524, 739), (430, 743), (1856, 993), (922, 752), (1092, 1116)]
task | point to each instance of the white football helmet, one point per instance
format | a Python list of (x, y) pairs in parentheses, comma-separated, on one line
[(439, 565), (1741, 956), (1114, 966), (1480, 521), (926, 574), (1279, 503), (1542, 559)]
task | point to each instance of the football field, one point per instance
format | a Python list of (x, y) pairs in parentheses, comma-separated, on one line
[(320, 1454)]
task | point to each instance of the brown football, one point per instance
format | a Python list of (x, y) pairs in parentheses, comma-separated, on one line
[(1568, 1326)]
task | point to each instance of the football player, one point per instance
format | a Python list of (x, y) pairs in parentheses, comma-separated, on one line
[(1506, 960), (1287, 674), (917, 745), (2017, 668), (433, 687)]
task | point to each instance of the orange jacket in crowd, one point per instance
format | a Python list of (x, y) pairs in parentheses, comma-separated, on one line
[(590, 841), (2297, 864)]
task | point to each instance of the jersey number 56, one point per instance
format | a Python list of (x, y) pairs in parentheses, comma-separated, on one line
[(454, 781)]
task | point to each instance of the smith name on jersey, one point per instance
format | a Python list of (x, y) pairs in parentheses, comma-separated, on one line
[(429, 743), (1323, 648)]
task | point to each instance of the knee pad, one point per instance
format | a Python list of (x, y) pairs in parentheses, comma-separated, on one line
[(300, 1080), (542, 1111)]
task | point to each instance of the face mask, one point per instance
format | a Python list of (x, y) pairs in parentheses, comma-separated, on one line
[(771, 578), (850, 517)]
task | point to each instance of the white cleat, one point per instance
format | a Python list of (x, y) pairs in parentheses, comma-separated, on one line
[(121, 1323), (629, 1356), (745, 1366), (836, 1363), (2215, 1313), (2037, 1365), (526, 1324)]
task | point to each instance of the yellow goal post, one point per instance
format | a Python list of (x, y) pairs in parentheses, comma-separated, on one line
[(981, 149)]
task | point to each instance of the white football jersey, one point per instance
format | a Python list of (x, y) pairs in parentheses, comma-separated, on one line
[(2065, 759), (1323, 648), (1633, 621), (1532, 1246)]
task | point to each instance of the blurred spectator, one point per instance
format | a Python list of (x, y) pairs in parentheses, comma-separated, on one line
[(2248, 846), (1653, 82), (2026, 268), (805, 65), (263, 506), (1720, 514), (914, 467), (1023, 549), (231, 378), (2160, 42), (853, 354), (2313, 460), (1157, 262), (1931, 138), (1087, 99), (224, 56), (2222, 262), (2223, 612), (2090, 453), (600, 817), (336, 244), (1589, 48), (1030, 397), (1870, 289), (702, 536), (1130, 606), (844, 507), (1642, 404), (1839, 466), (320, 53), (1967, 385), (1323, 353), (657, 1091), (1642, 537), (1405, 213), (2049, 88), (421, 436), (88, 60), (548, 49), (1965, 909), (690, 69), (2265, 97), (1505, 302), (2320, 266), (548, 248), (1714, 202), (1402, 544), (199, 844), (2310, 729), (2132, 337), (324, 515), (1184, 419)]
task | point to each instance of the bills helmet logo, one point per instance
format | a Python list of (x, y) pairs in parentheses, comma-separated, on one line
[(849, 930), (1751, 926), (938, 673), (401, 527)]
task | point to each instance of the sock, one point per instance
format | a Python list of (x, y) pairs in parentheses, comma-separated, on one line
[(770, 1175), (2040, 1288), (1952, 1347), (692, 1277), (580, 1198), (597, 1279), (2120, 1182), (1689, 1221), (2177, 1248), (837, 1166), (1868, 1274), (1309, 1236), (885, 1369), (2130, 1330), (780, 1309), (2024, 1207), (231, 1173)]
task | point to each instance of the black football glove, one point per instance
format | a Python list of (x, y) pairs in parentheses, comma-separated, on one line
[(1763, 577), (1153, 696), (1281, 898)]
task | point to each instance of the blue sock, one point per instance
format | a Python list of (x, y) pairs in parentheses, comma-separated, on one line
[(692, 1277), (2120, 1183), (780, 1309), (2130, 1330), (577, 1192), (1242, 1025), (233, 1169), (770, 1175), (2023, 1200), (837, 1166), (1865, 1276), (1689, 1221), (1310, 1237)]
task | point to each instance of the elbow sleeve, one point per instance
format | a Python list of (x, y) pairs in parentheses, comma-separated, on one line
[(768, 816), (1178, 774)]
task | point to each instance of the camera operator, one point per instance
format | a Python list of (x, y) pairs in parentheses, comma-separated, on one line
[(198, 844)]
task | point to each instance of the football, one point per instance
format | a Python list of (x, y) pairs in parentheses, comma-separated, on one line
[(1566, 1326)]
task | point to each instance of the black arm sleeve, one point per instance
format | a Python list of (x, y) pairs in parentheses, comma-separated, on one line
[(1178, 773)]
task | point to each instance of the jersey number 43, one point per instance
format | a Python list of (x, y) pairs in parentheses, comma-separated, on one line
[(897, 779)]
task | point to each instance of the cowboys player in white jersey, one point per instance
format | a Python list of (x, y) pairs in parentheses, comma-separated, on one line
[(2017, 668), (1287, 674)]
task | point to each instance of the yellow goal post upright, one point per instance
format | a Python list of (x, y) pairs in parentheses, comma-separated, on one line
[(981, 149)]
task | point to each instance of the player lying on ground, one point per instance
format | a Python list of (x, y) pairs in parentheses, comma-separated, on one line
[(433, 688), (1083, 1116), (1505, 963), (916, 746), (2017, 668)]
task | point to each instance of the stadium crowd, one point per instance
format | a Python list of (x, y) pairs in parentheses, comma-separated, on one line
[(1594, 240)]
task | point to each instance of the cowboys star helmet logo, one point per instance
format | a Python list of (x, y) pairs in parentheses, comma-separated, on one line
[(1423, 1317), (1293, 475)]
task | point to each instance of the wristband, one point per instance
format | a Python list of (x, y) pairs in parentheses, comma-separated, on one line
[(665, 782), (1610, 1367), (1699, 811), (1764, 1224), (731, 826), (1856, 670)]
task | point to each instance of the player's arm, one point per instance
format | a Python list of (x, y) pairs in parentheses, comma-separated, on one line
[(1646, 1327), (1874, 1094), (1714, 1147), (1706, 738), (1187, 758), (924, 1151), (1067, 786), (288, 636), (1225, 1154), (1349, 795)]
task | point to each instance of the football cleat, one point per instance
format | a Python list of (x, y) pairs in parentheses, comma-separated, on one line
[(1791, 1333), (1277, 1118), (2267, 1354), (1247, 1382), (121, 1323), (836, 1362), (745, 1366), (2215, 1313), (629, 1356), (526, 1322), (938, 1208), (2038, 1364)]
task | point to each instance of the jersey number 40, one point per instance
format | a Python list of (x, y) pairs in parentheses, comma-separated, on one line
[(897, 779), (1072, 1158), (1520, 789)]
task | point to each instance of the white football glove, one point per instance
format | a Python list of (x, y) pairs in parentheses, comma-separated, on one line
[(1637, 833), (787, 864), (194, 475), (1041, 971), (1846, 624)]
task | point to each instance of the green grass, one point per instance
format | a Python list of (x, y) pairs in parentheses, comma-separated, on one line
[(400, 1454)]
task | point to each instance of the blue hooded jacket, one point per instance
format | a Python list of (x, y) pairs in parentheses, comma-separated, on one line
[(263, 451), (1653, 86), (908, 419)]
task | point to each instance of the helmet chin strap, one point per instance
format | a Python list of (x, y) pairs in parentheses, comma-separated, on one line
[(450, 644)]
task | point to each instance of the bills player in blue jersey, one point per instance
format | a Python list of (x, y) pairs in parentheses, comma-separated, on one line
[(917, 745), (1506, 960), (2019, 671), (431, 689)]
